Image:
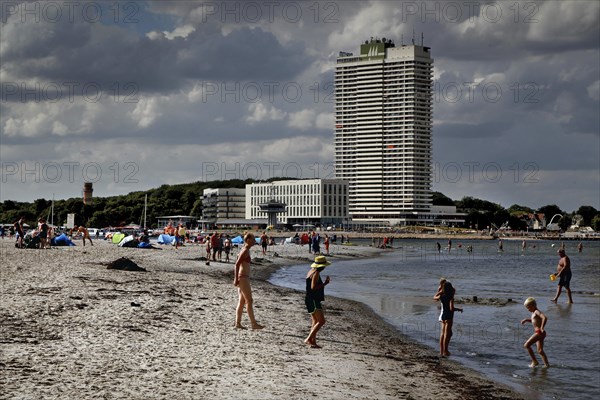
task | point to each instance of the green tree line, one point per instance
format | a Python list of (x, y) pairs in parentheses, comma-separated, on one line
[(186, 199)]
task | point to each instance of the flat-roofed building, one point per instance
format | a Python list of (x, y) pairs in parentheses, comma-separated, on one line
[(319, 202), (383, 123), (223, 204)]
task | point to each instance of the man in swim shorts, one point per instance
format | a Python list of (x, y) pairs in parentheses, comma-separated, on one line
[(563, 272)]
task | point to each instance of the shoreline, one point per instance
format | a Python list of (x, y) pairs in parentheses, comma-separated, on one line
[(73, 329)]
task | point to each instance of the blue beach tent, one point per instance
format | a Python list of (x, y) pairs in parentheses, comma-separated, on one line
[(62, 240), (165, 239)]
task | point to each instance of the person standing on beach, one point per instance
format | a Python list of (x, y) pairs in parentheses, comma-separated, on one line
[(316, 240), (326, 243), (241, 280), (214, 245), (445, 295), (315, 294), (580, 247), (264, 242), (177, 238), (227, 247), (538, 320), (563, 272), (18, 227), (43, 235)]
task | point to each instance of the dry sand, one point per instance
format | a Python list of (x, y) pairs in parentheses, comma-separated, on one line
[(73, 329)]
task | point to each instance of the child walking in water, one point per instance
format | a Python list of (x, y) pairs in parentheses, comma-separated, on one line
[(445, 295), (538, 320)]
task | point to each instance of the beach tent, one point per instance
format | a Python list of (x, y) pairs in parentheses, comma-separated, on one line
[(144, 245), (165, 239), (117, 237), (237, 240), (128, 241), (61, 240)]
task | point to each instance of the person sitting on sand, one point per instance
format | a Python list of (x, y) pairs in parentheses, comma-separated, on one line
[(445, 295), (538, 320), (315, 294), (241, 279), (83, 230)]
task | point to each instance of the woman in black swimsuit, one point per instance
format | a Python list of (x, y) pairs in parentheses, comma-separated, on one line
[(315, 294)]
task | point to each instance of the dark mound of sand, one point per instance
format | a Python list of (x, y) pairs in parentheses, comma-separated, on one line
[(125, 264)]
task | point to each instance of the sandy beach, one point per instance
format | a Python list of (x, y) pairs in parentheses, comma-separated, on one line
[(72, 329)]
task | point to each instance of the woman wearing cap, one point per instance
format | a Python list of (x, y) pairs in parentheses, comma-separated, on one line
[(315, 294), (241, 279)]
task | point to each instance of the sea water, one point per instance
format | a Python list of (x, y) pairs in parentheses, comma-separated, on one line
[(399, 286)]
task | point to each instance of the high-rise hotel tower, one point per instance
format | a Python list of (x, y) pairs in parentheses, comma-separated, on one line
[(383, 117)]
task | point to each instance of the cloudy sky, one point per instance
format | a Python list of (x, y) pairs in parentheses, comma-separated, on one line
[(133, 95)]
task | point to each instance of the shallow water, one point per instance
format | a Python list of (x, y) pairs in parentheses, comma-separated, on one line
[(399, 286)]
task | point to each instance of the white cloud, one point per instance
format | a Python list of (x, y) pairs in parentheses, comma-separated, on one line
[(180, 31), (145, 112), (303, 120), (594, 90), (259, 112), (325, 121)]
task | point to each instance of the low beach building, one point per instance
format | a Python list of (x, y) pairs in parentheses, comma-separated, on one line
[(309, 202)]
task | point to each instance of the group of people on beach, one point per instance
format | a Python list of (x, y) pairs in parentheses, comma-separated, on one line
[(445, 294), (315, 291), (40, 238)]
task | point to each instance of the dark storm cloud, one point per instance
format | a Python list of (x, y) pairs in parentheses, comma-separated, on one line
[(66, 54), (244, 54)]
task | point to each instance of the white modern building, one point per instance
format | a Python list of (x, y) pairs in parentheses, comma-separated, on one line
[(223, 204), (383, 117), (318, 202)]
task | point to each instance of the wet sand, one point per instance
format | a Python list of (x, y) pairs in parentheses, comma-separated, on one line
[(72, 329)]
